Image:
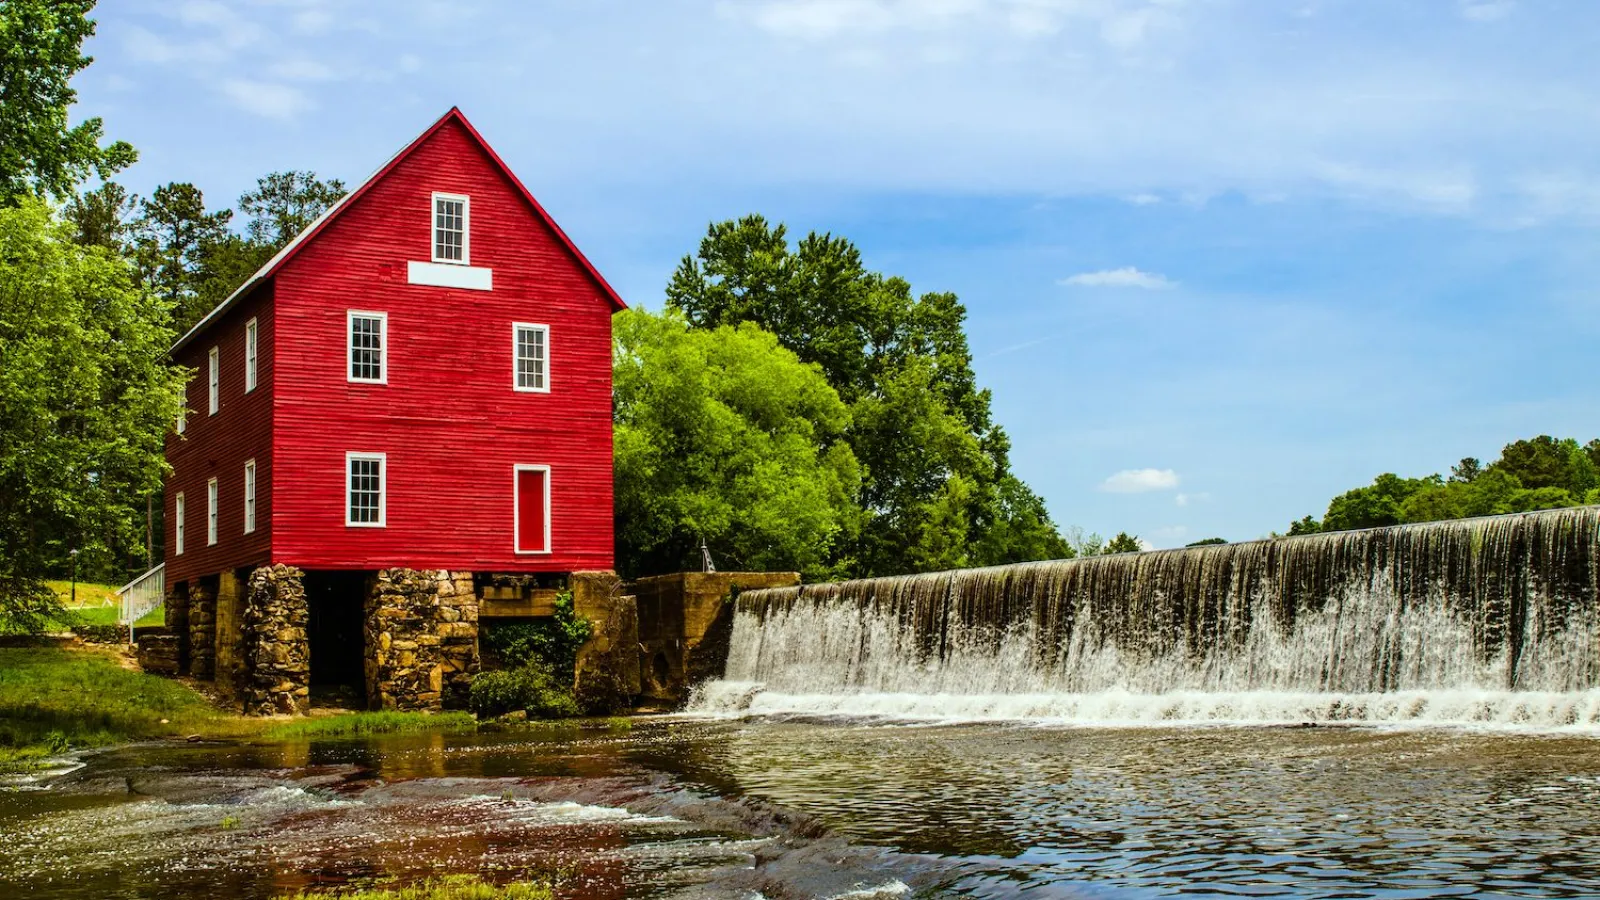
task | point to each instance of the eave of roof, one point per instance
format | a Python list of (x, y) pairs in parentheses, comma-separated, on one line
[(300, 240)]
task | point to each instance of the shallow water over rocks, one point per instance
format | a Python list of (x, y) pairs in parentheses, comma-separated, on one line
[(820, 807)]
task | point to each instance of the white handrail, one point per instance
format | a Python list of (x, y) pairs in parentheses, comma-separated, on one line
[(142, 595)]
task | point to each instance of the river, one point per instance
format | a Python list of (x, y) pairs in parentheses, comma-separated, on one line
[(819, 807)]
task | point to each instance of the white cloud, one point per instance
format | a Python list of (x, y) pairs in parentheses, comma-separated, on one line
[(1487, 11), (1138, 481), (267, 99), (1144, 199), (1186, 499), (1125, 277)]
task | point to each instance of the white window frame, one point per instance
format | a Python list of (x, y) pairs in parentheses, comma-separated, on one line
[(183, 416), (466, 229), (215, 362), (383, 488), (516, 509), (252, 331), (211, 513), (516, 346), (350, 345), (179, 511), (249, 496)]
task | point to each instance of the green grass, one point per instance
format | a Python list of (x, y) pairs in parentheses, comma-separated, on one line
[(53, 698), (450, 887), (365, 723), (107, 615), (89, 593)]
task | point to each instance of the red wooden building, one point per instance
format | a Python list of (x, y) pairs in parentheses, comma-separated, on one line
[(420, 380)]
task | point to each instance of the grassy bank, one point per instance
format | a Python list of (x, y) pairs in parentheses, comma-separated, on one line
[(362, 724), (450, 887), (53, 698)]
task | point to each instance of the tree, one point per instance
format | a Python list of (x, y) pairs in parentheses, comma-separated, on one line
[(40, 52), (938, 491), (103, 217), (174, 238), (85, 402), (1207, 542), (1373, 506), (1540, 462), (284, 204), (1307, 525), (722, 435), (1466, 471), (1124, 543)]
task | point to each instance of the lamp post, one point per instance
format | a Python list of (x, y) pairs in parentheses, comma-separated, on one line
[(74, 555)]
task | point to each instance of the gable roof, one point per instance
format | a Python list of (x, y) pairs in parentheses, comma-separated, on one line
[(289, 250)]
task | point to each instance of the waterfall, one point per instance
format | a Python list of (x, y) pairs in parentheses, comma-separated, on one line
[(1493, 620)]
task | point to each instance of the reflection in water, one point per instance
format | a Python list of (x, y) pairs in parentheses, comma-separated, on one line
[(699, 808)]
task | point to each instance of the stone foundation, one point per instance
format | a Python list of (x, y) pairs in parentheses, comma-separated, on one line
[(275, 662), (607, 673), (202, 630), (176, 615), (421, 639), (158, 653), (685, 622)]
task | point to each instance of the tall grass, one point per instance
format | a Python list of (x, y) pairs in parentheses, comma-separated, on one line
[(366, 723), (450, 887)]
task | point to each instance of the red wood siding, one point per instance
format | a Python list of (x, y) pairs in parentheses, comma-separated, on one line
[(218, 447), (449, 420)]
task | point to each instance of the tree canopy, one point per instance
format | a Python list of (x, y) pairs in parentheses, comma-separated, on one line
[(937, 490), (40, 152), (1531, 474), (85, 402), (724, 436)]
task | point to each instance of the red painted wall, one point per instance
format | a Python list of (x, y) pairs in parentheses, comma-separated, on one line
[(218, 446), (448, 419)]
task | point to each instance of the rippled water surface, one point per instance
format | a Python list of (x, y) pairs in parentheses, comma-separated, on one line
[(817, 808)]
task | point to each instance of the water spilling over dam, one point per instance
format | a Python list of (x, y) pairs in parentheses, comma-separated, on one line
[(1490, 621)]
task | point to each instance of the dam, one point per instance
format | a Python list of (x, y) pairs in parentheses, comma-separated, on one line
[(1492, 621)]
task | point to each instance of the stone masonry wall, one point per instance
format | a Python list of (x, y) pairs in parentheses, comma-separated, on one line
[(176, 613), (421, 639), (276, 656), (202, 630)]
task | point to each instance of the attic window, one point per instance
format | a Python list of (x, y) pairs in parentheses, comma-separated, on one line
[(450, 228)]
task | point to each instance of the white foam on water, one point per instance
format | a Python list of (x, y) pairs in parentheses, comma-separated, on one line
[(1577, 712)]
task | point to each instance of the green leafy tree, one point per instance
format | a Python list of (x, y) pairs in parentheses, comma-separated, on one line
[(724, 436), (283, 204), (85, 402), (1467, 470), (1538, 462), (1207, 542), (103, 217), (40, 152), (1373, 506), (1123, 543), (174, 237), (1307, 525), (937, 491)]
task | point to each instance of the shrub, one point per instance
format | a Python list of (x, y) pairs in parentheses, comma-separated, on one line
[(553, 641), (531, 687)]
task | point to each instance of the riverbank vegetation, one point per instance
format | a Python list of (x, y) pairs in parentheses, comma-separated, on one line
[(54, 698), (1530, 474), (449, 887), (364, 724)]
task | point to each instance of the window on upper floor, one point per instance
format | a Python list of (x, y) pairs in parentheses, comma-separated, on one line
[(178, 514), (531, 352), (211, 512), (369, 339), (364, 489), (215, 381), (249, 496), (250, 337), (450, 228)]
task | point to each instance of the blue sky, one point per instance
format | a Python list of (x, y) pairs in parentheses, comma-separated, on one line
[(1222, 258)]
